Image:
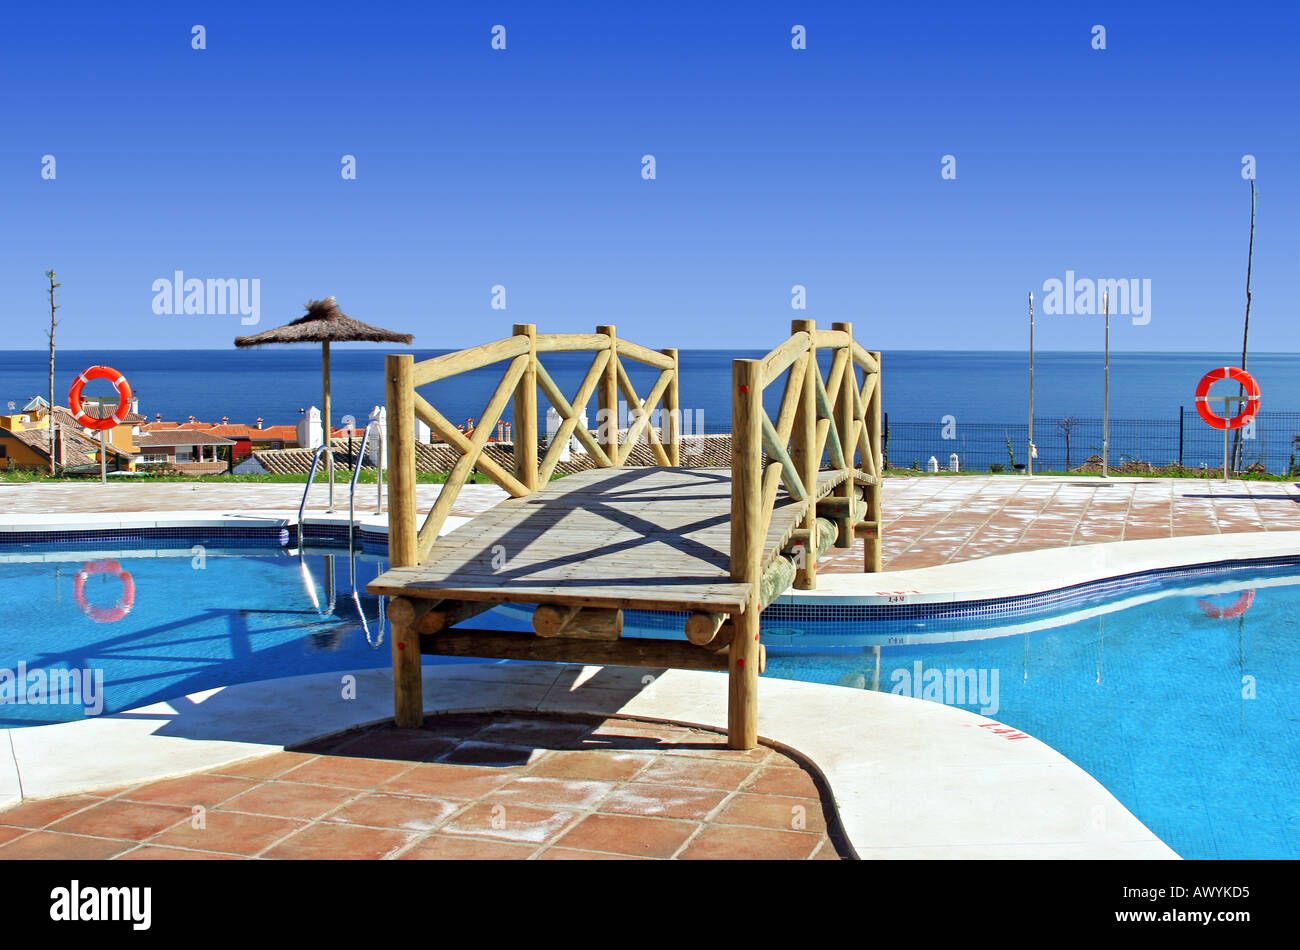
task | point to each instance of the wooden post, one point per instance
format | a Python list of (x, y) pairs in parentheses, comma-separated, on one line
[(843, 423), (746, 548), (525, 411), (607, 399), (673, 410), (408, 681), (873, 553), (804, 448)]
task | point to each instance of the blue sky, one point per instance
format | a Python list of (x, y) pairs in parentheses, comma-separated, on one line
[(774, 167)]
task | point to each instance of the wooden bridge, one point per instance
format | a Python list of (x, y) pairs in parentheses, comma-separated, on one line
[(712, 544)]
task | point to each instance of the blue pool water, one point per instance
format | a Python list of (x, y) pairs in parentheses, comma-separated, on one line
[(233, 615), (1191, 720), (1178, 695)]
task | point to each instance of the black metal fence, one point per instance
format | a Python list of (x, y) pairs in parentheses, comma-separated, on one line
[(1182, 439)]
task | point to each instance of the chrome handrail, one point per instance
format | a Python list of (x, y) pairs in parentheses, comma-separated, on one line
[(356, 473), (315, 461)]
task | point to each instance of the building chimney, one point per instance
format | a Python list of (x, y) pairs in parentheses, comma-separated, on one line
[(225, 419), (157, 417), (259, 422)]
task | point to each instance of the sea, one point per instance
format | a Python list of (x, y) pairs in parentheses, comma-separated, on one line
[(938, 402)]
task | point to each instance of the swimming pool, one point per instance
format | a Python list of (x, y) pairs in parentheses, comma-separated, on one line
[(1177, 693), (101, 631), (1182, 702)]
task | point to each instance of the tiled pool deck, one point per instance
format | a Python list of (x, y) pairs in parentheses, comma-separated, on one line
[(532, 788), (939, 520), (464, 787), (928, 521)]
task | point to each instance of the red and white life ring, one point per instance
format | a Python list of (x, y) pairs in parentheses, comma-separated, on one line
[(1247, 413), (104, 614), (123, 398), (1232, 611)]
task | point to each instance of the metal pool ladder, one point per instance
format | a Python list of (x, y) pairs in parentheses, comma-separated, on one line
[(311, 474), (356, 473), (352, 487)]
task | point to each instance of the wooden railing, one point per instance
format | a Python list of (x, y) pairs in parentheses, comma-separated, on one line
[(524, 376), (836, 418)]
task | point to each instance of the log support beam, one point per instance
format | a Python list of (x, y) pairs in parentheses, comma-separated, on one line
[(582, 623)]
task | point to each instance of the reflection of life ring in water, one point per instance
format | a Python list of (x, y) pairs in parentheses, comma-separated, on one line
[(104, 614), (1230, 612)]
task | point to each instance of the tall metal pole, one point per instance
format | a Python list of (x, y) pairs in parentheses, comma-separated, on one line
[(325, 417), (1105, 394), (1031, 383)]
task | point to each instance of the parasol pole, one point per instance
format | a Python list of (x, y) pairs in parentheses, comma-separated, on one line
[(325, 416)]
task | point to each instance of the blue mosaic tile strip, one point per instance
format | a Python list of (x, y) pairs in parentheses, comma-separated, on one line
[(254, 535), (988, 612)]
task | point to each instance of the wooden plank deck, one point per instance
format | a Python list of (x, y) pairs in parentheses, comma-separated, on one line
[(648, 538)]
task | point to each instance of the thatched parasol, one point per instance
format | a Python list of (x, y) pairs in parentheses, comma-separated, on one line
[(324, 323)]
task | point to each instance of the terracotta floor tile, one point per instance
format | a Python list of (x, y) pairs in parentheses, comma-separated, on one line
[(490, 753), (401, 745), (448, 848), (230, 832), (150, 852), (783, 781), (290, 800), (663, 801), (827, 852), (573, 854), (540, 733), (773, 811), (41, 812), (121, 819), (729, 842), (265, 766), (561, 793), (629, 834), (695, 772), (346, 772), (53, 846), (531, 802), (522, 823), (452, 725), (335, 842), (450, 781), (325, 745), (715, 747), (203, 789), (652, 732), (591, 764), (407, 812)]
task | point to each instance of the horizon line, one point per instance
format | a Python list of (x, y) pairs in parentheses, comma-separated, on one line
[(44, 351)]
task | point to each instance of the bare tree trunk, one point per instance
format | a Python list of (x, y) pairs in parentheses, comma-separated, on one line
[(50, 418), (1245, 335)]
